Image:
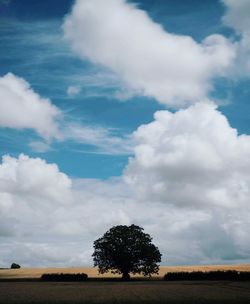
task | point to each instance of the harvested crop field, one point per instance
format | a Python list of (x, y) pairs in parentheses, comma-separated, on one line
[(23, 286), (125, 292), (93, 273)]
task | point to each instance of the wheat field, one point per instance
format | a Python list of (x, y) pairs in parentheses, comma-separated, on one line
[(93, 272), (29, 291)]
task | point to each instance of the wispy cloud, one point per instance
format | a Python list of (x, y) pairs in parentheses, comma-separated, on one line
[(23, 108), (104, 140), (46, 35), (73, 91), (40, 146)]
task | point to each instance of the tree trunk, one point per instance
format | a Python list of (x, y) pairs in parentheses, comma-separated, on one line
[(125, 276)]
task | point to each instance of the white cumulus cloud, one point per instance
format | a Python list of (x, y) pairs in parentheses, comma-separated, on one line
[(192, 161), (33, 178), (42, 211), (174, 69), (22, 108), (191, 158), (48, 219)]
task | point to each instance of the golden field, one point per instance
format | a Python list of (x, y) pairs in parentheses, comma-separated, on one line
[(93, 272)]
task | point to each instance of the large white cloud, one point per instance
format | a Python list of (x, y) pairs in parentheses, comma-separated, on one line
[(47, 219), (43, 215), (194, 160), (191, 158), (33, 177), (31, 191), (237, 17), (22, 108), (173, 69)]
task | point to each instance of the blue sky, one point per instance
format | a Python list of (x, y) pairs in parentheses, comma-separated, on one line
[(33, 48), (120, 112)]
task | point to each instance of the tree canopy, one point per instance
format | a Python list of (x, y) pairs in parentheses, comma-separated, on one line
[(126, 249)]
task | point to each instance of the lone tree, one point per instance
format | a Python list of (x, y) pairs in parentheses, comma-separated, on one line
[(126, 249)]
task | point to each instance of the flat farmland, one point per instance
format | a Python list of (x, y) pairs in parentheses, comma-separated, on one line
[(93, 273), (124, 292), (23, 286)]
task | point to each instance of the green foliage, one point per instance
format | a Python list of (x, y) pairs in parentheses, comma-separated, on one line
[(126, 249)]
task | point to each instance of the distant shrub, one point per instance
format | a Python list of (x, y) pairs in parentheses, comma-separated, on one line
[(15, 266), (65, 277), (231, 275)]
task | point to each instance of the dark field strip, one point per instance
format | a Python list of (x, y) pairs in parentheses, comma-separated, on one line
[(195, 292), (229, 275)]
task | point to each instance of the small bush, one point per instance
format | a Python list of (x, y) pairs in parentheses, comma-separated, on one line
[(231, 275), (15, 266), (65, 277)]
